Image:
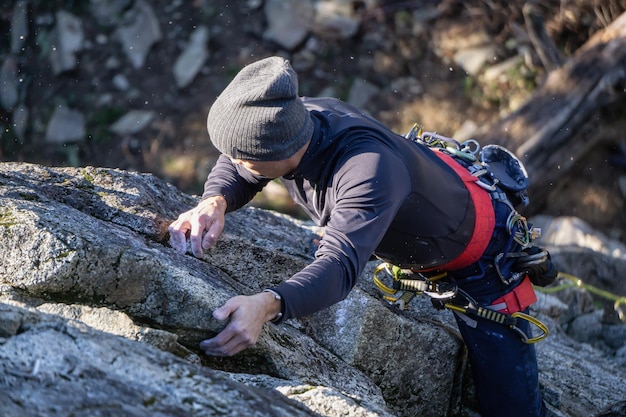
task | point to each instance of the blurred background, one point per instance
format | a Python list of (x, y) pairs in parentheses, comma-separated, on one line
[(128, 83)]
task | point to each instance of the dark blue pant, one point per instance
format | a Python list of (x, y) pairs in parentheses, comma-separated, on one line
[(504, 368)]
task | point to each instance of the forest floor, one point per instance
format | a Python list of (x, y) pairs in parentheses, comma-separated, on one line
[(390, 47)]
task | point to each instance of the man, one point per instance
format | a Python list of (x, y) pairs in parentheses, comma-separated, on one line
[(376, 193)]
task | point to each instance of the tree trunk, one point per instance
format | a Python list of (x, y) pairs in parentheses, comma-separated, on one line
[(570, 113)]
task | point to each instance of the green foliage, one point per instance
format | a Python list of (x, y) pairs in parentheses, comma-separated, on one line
[(515, 84), (403, 18), (99, 122), (63, 254), (10, 145), (71, 154), (208, 13), (232, 70), (7, 219), (88, 176)]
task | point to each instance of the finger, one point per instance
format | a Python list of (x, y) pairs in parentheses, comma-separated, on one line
[(195, 236), (178, 241), (230, 351), (224, 344), (212, 234), (227, 343), (212, 348), (216, 345), (221, 313)]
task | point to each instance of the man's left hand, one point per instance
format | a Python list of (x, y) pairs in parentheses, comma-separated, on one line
[(537, 264)]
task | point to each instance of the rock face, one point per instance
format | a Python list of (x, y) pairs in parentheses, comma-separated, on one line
[(52, 367), (99, 315)]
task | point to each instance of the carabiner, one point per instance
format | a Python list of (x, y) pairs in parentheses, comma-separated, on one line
[(379, 283), (433, 138), (515, 276), (471, 146), (415, 133), (460, 154), (391, 293), (533, 321)]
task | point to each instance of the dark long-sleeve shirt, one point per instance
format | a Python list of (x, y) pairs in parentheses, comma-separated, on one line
[(374, 192)]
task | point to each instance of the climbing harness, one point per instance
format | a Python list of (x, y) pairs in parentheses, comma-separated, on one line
[(497, 171), (494, 165), (484, 220), (406, 284), (494, 168)]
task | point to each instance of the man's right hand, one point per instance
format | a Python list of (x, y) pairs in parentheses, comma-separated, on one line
[(204, 223), (246, 315)]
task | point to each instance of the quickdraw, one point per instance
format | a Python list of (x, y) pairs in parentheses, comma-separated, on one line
[(510, 320), (406, 284)]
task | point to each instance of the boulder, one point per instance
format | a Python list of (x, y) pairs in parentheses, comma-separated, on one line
[(55, 367), (101, 315), (288, 21), (68, 37), (138, 32)]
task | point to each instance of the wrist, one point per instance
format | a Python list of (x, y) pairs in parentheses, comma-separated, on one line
[(218, 201), (274, 312)]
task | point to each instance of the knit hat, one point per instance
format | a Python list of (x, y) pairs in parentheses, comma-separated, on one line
[(259, 116)]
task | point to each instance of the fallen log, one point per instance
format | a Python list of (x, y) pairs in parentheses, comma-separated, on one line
[(547, 51), (570, 113)]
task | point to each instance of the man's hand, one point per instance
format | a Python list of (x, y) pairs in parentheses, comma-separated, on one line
[(204, 223), (247, 316), (537, 264)]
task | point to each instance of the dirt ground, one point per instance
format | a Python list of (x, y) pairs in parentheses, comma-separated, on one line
[(176, 147)]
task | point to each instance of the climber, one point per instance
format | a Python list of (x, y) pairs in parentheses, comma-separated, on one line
[(376, 193)]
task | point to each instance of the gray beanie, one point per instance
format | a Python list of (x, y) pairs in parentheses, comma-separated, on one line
[(259, 116)]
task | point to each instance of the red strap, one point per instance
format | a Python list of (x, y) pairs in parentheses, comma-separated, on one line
[(517, 299), (484, 222)]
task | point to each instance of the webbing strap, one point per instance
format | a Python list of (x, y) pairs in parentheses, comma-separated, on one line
[(517, 299), (484, 222)]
